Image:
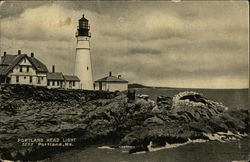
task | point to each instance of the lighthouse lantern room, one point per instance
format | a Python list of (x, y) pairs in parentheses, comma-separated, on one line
[(83, 28)]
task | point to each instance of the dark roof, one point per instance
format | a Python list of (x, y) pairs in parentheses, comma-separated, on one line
[(71, 78), (55, 76), (111, 79), (3, 69), (8, 62), (7, 59), (38, 64)]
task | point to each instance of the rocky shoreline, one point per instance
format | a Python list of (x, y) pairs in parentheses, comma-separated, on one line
[(95, 116)]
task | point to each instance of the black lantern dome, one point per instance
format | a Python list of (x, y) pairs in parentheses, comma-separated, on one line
[(83, 28)]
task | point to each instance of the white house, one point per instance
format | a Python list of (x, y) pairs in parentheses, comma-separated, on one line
[(22, 69), (111, 83), (55, 80), (71, 82), (58, 80)]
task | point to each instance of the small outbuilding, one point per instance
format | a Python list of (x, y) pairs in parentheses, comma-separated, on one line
[(72, 82), (111, 83), (55, 80)]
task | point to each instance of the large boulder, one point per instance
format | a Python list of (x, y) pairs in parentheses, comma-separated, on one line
[(193, 106)]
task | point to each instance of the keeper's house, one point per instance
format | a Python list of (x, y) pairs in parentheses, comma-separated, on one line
[(22, 69), (111, 83)]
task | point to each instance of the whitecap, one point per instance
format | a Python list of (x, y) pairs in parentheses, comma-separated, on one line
[(140, 152), (105, 147), (126, 147), (169, 146)]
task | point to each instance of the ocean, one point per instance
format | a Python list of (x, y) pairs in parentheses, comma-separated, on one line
[(211, 151)]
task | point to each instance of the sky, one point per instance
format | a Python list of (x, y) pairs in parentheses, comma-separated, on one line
[(192, 44)]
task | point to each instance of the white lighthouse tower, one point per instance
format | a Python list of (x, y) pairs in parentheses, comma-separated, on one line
[(83, 68)]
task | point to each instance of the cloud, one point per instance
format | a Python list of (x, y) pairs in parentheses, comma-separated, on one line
[(144, 51), (42, 26), (63, 23)]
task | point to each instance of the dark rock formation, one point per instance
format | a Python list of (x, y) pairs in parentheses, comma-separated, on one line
[(94, 116), (189, 117), (164, 102)]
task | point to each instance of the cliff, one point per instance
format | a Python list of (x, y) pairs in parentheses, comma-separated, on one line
[(94, 116)]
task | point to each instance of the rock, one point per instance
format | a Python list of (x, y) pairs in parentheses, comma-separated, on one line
[(101, 128), (142, 106), (27, 111), (153, 121), (136, 137), (164, 102), (217, 125), (156, 110)]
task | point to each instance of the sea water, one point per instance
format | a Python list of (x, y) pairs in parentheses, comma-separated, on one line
[(207, 151)]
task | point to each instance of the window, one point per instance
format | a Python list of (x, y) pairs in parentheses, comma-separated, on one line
[(87, 68), (58, 83), (17, 79), (48, 83), (24, 77), (73, 83), (28, 69), (30, 79), (38, 80), (53, 83), (70, 84), (21, 69), (41, 78)]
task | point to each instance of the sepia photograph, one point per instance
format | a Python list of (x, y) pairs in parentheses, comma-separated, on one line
[(124, 81)]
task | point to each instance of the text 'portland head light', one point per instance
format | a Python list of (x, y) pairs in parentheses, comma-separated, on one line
[(83, 68)]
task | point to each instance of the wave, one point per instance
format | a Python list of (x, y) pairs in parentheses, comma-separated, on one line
[(106, 147), (6, 160), (224, 136), (219, 136), (169, 146)]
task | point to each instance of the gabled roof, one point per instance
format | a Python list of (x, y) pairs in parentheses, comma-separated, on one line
[(55, 76), (71, 78), (3, 69), (111, 79), (8, 62), (7, 59), (38, 64)]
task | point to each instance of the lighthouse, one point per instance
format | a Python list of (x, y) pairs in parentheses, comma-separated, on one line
[(83, 68)]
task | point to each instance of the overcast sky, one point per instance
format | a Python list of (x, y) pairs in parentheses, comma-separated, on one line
[(175, 44)]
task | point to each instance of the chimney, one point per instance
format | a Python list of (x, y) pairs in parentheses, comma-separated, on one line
[(31, 54), (4, 53), (119, 76), (53, 68), (110, 73), (19, 52)]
